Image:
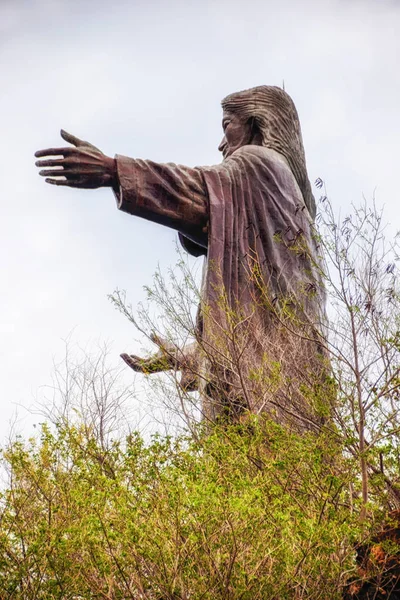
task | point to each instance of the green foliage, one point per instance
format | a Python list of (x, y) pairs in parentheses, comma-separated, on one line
[(249, 512)]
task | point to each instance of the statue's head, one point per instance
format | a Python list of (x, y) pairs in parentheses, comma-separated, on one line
[(266, 116)]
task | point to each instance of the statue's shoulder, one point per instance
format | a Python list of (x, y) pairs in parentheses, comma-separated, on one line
[(267, 155), (266, 161)]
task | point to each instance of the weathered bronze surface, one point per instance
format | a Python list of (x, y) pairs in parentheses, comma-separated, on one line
[(259, 346)]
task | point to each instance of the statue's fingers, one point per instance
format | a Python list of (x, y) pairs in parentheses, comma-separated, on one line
[(68, 172), (74, 183), (54, 152), (75, 141), (131, 358), (162, 343), (51, 162), (70, 162), (72, 139), (156, 339), (52, 172), (57, 181), (134, 362)]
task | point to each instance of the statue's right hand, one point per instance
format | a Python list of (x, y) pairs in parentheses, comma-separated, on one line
[(154, 364), (163, 360), (81, 165)]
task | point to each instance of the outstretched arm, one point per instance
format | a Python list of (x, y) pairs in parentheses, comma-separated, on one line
[(166, 193), (169, 194)]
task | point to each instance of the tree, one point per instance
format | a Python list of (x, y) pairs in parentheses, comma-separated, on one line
[(363, 340)]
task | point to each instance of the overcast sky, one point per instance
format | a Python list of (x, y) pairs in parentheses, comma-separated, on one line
[(145, 79)]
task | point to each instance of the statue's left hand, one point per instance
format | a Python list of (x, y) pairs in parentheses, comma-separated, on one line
[(82, 165)]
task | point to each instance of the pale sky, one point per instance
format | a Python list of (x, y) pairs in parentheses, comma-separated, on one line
[(145, 79)]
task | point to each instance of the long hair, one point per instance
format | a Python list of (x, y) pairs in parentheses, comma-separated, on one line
[(276, 118)]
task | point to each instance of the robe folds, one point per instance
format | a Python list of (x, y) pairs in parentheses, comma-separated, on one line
[(260, 333)]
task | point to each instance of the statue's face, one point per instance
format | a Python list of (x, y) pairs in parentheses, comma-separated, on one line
[(237, 133)]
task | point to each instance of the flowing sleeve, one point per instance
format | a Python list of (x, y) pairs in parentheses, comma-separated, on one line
[(169, 194)]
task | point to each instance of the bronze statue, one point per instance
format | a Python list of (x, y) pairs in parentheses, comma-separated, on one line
[(259, 338)]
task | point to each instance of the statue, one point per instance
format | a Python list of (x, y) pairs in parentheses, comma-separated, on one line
[(259, 340)]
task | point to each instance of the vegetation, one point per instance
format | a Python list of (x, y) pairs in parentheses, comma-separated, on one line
[(250, 512), (91, 510)]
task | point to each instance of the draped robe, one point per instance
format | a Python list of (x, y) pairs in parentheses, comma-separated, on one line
[(263, 299)]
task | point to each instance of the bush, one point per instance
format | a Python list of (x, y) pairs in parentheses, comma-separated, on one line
[(248, 512)]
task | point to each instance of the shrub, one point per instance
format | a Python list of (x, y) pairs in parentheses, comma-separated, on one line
[(249, 511)]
